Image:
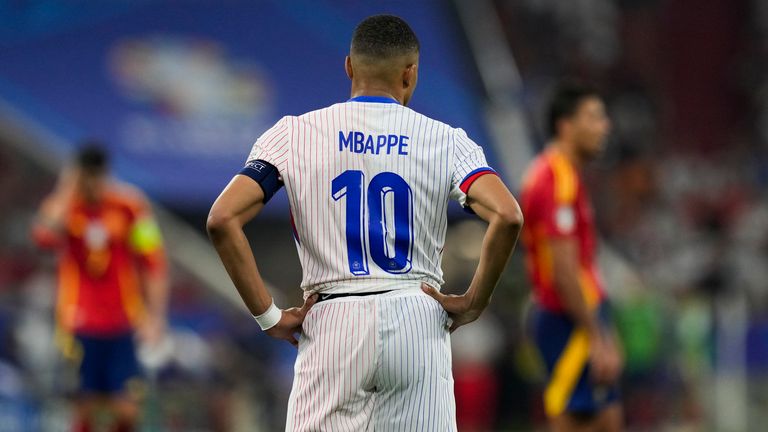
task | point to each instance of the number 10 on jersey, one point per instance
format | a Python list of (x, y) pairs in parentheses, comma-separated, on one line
[(389, 250)]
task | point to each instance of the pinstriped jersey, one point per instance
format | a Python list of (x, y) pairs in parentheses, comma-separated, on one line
[(368, 182)]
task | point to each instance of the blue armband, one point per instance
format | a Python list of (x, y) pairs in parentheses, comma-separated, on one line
[(265, 174)]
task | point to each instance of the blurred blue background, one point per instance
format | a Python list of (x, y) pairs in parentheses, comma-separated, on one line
[(180, 90)]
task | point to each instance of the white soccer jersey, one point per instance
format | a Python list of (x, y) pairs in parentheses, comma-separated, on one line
[(368, 182)]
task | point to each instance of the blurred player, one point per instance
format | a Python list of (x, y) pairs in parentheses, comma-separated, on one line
[(572, 329), (109, 249), (368, 182)]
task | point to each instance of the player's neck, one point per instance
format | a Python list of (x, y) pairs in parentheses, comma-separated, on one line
[(375, 89), (566, 149)]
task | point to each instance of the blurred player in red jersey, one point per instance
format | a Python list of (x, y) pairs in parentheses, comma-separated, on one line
[(572, 327), (112, 282)]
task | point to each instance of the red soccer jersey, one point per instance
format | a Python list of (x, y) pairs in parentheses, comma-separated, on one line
[(101, 249), (556, 205)]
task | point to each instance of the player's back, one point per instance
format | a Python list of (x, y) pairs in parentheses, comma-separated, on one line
[(368, 182)]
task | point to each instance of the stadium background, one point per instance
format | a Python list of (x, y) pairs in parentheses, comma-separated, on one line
[(181, 89)]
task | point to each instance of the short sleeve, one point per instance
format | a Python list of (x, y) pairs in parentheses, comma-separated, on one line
[(272, 146), (469, 164), (556, 202)]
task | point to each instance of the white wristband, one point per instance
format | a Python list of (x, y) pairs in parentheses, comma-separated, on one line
[(270, 318)]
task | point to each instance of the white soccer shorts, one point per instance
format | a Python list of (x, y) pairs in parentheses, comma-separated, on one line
[(374, 363)]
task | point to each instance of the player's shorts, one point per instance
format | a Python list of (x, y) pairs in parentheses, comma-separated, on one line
[(108, 363), (565, 351), (379, 362)]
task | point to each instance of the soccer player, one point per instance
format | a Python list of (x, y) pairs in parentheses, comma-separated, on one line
[(572, 328), (368, 182), (112, 281)]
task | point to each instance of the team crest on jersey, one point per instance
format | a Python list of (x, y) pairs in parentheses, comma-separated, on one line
[(565, 219), (96, 236)]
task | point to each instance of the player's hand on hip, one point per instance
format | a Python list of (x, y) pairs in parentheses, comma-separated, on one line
[(291, 321), (459, 307)]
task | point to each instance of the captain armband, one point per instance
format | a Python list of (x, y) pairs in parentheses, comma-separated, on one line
[(265, 174), (145, 236)]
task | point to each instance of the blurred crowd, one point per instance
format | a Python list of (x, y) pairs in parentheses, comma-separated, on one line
[(680, 196)]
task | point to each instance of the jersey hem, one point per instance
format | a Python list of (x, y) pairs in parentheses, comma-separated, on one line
[(368, 285)]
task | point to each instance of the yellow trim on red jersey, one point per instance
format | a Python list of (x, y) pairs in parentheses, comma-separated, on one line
[(589, 289), (544, 261), (566, 181), (69, 287)]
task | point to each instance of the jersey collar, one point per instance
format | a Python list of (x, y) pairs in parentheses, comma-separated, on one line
[(375, 99)]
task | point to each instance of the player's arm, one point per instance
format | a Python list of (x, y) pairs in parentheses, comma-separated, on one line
[(49, 219), (240, 202), (490, 199), (565, 268), (157, 290), (147, 242)]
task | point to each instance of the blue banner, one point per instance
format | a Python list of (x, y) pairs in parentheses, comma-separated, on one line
[(180, 90)]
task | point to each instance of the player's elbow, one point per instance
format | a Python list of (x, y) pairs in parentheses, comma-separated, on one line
[(510, 216)]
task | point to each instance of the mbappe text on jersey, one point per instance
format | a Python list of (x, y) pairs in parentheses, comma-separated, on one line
[(359, 142)]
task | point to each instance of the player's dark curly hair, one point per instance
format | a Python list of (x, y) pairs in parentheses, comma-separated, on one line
[(565, 101), (383, 37), (92, 156)]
